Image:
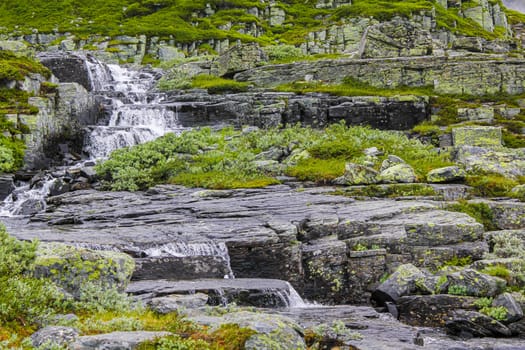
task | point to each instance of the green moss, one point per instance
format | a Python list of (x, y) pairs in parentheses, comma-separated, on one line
[(491, 185), (216, 85), (498, 271), (388, 191)]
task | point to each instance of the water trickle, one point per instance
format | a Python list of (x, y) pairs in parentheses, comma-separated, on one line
[(289, 297)]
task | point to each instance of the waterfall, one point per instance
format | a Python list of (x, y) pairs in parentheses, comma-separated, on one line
[(183, 249), (27, 200), (138, 115)]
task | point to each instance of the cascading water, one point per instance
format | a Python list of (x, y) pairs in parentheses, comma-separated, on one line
[(137, 116)]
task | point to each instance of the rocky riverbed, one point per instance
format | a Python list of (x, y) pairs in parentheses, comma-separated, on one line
[(333, 249)]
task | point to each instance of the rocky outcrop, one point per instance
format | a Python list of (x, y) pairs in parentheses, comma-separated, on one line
[(71, 268), (7, 186), (273, 109), (269, 233), (67, 68), (473, 75)]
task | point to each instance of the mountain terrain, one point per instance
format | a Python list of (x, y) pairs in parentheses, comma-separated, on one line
[(184, 174)]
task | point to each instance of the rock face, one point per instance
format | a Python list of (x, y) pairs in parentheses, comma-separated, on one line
[(306, 237), (68, 68), (238, 58), (115, 340), (7, 186), (272, 109), (472, 75), (397, 38)]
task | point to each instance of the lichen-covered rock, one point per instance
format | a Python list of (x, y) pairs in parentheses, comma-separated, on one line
[(446, 174), (274, 332), (52, 337), (71, 267), (396, 38), (402, 282), (507, 162), (390, 161), (514, 311), (171, 303), (400, 173), (239, 58), (481, 114), (471, 282), (480, 136), (468, 324), (115, 340), (357, 174)]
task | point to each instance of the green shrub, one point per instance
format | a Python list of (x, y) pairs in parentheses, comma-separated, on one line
[(498, 312), (498, 271), (455, 289), (174, 343), (95, 298), (283, 53)]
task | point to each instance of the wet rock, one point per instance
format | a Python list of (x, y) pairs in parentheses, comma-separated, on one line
[(189, 267), (7, 186), (402, 282), (431, 310), (30, 206), (52, 337), (400, 173), (468, 324), (71, 267), (242, 291), (171, 303), (514, 311), (59, 187), (446, 174), (471, 282), (116, 340), (89, 173)]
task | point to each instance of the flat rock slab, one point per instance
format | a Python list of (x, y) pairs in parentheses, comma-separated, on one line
[(243, 291), (259, 233), (115, 340)]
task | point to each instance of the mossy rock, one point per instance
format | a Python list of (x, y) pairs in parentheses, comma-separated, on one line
[(400, 173), (71, 267), (446, 174)]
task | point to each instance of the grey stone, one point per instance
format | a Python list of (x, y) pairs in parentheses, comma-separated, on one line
[(115, 340), (514, 311), (402, 282), (171, 303), (472, 283), (7, 186), (446, 174), (468, 324), (52, 336), (357, 174)]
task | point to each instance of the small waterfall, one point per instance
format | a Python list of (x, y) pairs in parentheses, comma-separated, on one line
[(26, 200), (183, 249), (289, 297), (137, 116)]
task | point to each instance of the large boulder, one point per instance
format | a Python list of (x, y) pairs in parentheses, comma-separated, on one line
[(480, 136), (71, 267), (67, 68)]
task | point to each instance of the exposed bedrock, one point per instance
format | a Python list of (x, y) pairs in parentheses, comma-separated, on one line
[(332, 249), (474, 75)]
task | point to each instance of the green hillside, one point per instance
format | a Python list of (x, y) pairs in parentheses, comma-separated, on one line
[(186, 21)]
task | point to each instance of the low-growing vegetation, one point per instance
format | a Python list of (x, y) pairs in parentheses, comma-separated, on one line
[(231, 159)]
